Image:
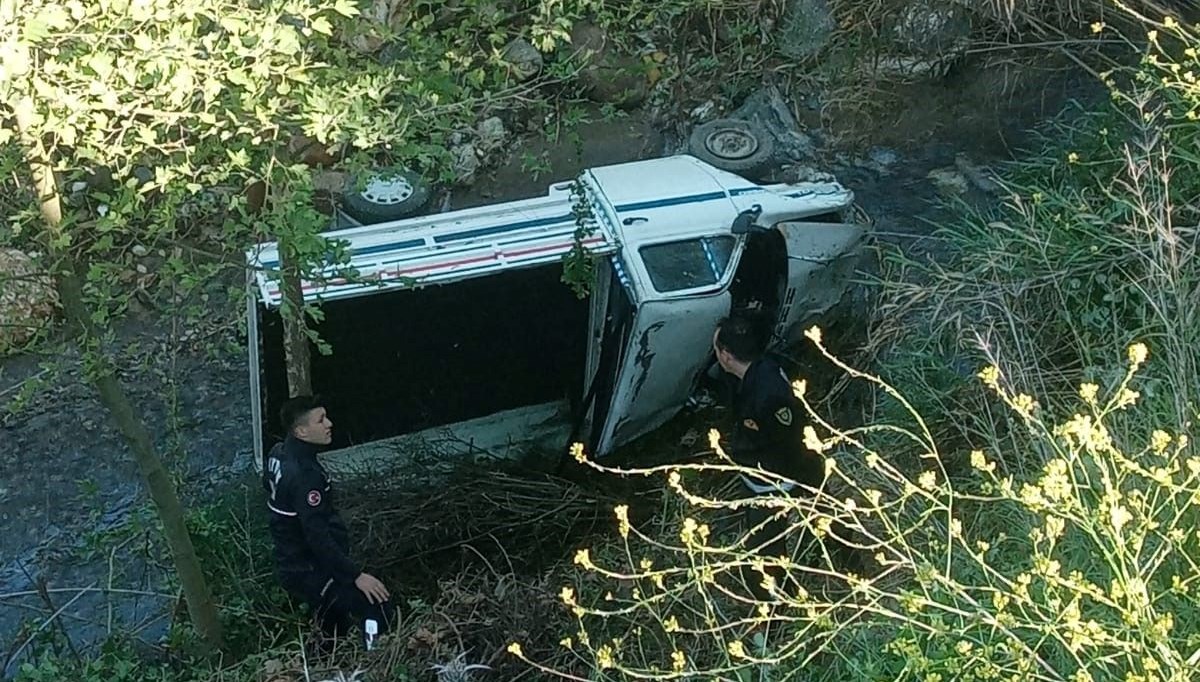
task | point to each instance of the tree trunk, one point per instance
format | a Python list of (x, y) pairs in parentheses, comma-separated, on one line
[(297, 351), (201, 608)]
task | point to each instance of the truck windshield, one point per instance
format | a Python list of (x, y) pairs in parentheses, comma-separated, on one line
[(677, 266)]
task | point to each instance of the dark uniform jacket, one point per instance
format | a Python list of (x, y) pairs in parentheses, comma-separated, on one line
[(769, 432), (310, 537)]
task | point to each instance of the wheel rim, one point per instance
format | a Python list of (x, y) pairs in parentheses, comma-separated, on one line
[(731, 143), (388, 191)]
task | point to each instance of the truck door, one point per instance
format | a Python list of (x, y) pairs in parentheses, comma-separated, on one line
[(821, 257), (670, 339)]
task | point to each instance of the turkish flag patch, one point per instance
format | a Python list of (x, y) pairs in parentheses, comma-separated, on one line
[(314, 498)]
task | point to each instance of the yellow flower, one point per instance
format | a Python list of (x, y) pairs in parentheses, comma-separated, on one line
[(1159, 440), (799, 387), (1119, 516), (568, 596), (928, 480), (566, 643), (1169, 22), (1097, 26), (604, 657), (812, 441), (671, 624), (1152, 36), (979, 460), (1127, 398), (678, 661), (1024, 404), (622, 512), (737, 649), (1072, 158), (1089, 392), (577, 452), (990, 376), (814, 334), (1138, 354), (515, 649), (688, 532), (583, 558), (646, 564)]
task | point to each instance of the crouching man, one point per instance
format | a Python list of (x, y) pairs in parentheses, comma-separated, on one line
[(768, 433), (312, 545)]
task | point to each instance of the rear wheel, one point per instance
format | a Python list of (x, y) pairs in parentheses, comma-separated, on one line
[(734, 145), (384, 195)]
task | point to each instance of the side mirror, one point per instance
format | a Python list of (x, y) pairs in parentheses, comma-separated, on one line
[(744, 222)]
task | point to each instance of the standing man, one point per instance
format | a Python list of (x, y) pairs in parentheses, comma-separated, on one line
[(312, 545), (768, 430)]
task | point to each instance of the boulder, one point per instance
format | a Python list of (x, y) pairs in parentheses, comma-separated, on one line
[(932, 28), (27, 302), (804, 28), (606, 75), (767, 109), (490, 134), (928, 36), (377, 21), (523, 58), (465, 163)]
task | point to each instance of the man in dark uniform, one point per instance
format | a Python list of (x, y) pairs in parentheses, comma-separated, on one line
[(312, 545), (768, 432)]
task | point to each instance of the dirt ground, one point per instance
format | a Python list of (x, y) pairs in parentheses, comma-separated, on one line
[(64, 472)]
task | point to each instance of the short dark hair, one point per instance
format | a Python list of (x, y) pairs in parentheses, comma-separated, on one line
[(741, 337), (293, 410)]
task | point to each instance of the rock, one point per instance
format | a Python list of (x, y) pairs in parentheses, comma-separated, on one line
[(490, 134), (948, 181), (769, 111), (331, 182), (882, 157), (703, 111), (982, 178), (605, 75), (932, 28), (139, 250), (465, 163), (879, 160), (805, 28), (523, 58), (27, 301), (928, 37), (380, 18), (309, 152)]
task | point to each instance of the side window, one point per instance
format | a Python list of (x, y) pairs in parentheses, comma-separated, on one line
[(677, 266)]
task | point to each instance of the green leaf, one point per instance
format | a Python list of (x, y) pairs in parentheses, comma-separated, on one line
[(322, 25), (346, 8)]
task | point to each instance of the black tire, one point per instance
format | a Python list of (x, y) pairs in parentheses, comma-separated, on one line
[(387, 194), (748, 149)]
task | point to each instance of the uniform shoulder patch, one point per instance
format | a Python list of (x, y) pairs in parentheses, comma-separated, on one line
[(784, 416), (314, 498), (750, 424)]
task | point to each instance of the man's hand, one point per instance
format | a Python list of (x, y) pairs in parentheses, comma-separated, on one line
[(370, 586)]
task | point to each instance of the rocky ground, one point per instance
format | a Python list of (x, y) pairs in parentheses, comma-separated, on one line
[(65, 474)]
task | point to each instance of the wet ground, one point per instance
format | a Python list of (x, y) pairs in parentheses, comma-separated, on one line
[(65, 473)]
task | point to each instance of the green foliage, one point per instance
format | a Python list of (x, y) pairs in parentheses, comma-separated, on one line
[(1089, 251), (1082, 570), (579, 268)]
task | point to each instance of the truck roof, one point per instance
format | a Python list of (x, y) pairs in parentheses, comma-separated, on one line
[(634, 203)]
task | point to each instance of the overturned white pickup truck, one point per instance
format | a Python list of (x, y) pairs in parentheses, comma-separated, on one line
[(459, 329)]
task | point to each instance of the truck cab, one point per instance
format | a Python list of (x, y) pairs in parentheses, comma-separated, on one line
[(456, 331)]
